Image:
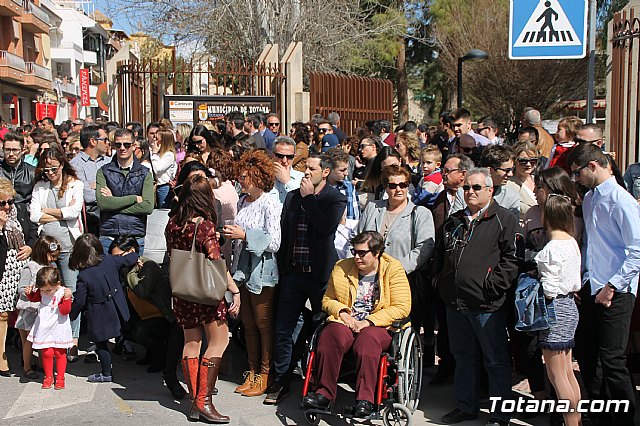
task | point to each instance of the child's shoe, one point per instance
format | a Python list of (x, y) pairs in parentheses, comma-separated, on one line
[(47, 382), (59, 383), (99, 378)]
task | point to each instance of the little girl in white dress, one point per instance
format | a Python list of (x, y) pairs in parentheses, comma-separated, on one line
[(51, 332)]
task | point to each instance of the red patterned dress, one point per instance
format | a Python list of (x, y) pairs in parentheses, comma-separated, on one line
[(190, 314)]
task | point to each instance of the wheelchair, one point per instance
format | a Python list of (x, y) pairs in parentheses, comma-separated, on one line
[(398, 384)]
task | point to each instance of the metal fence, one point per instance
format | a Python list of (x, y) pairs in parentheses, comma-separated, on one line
[(623, 111), (142, 84), (356, 99)]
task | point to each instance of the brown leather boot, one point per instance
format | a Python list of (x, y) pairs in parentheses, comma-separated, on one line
[(248, 380), (207, 377), (258, 386), (190, 372)]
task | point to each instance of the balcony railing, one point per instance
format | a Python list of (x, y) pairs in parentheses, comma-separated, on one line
[(70, 45), (69, 88), (36, 11), (10, 60), (18, 2), (38, 70)]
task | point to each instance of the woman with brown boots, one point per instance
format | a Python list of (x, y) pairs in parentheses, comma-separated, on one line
[(196, 215), (256, 235)]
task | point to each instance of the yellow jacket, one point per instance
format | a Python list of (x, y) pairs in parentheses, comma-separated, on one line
[(395, 295)]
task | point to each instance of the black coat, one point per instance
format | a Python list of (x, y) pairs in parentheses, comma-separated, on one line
[(325, 212), (22, 179), (99, 291), (480, 261)]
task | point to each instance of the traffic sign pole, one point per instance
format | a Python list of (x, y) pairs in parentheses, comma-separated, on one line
[(592, 61)]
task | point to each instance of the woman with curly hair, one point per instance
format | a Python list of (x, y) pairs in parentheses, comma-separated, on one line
[(408, 146), (254, 268), (300, 134), (56, 206)]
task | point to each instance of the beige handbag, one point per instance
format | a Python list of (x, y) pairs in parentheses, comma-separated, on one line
[(196, 278)]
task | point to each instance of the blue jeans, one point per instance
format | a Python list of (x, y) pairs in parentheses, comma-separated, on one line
[(106, 242), (294, 290), (474, 337), (162, 193), (69, 279)]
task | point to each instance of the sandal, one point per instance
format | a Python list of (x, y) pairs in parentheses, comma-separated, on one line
[(31, 374)]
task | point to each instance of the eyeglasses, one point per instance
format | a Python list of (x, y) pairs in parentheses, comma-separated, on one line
[(273, 124), (480, 129), (14, 150), (446, 171), (578, 140), (525, 161), (101, 139), (323, 130), (9, 202), (476, 187), (507, 170), (577, 171), (282, 156), (360, 253), (119, 145), (402, 185), (51, 170), (364, 145), (77, 124)]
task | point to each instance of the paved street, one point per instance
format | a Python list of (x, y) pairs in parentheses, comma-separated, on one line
[(140, 398)]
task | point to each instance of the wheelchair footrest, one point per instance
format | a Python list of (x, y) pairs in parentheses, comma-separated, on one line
[(326, 411), (348, 410)]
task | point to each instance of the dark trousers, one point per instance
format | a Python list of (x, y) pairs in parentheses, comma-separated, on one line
[(611, 333), (153, 334), (335, 341), (443, 348), (102, 350), (175, 346), (294, 291), (586, 349), (479, 338)]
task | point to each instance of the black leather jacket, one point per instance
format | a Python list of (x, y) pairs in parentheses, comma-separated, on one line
[(22, 179)]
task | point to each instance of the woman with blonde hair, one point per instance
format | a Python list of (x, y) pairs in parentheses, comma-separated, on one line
[(163, 165), (408, 145), (527, 158)]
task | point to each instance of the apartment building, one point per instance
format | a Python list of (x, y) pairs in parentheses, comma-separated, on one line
[(25, 68)]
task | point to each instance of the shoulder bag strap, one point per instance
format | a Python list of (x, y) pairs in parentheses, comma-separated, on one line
[(195, 233)]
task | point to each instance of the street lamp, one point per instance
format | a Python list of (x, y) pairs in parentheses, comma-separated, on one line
[(472, 55)]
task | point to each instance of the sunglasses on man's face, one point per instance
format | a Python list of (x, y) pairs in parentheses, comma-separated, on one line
[(126, 145), (8, 202), (402, 185), (273, 124), (322, 130), (360, 253), (475, 187), (282, 156)]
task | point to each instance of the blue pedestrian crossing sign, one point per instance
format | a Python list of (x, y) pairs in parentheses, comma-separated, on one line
[(548, 29)]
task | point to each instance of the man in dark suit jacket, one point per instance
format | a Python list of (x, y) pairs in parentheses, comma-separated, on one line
[(310, 217), (450, 200)]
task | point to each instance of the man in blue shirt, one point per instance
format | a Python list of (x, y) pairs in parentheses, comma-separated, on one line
[(613, 262)]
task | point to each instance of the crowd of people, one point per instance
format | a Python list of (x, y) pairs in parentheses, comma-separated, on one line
[(434, 224)]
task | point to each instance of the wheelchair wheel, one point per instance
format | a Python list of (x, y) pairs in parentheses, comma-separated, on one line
[(312, 418), (410, 370), (397, 415)]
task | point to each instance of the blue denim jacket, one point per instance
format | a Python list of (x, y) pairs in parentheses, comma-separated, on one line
[(256, 267)]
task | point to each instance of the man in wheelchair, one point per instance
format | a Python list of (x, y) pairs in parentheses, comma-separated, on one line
[(365, 295)]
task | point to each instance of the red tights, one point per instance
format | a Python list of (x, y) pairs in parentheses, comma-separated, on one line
[(47, 361)]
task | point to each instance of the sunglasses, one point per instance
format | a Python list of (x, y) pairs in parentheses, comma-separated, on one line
[(101, 139), (577, 171), (505, 169), (273, 124), (360, 253), (402, 185), (525, 161), (282, 156), (52, 170), (119, 145), (480, 129), (322, 130), (476, 187), (446, 171), (9, 202)]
